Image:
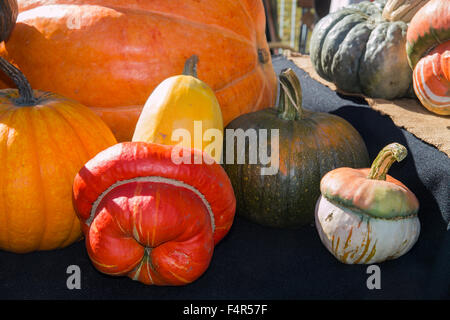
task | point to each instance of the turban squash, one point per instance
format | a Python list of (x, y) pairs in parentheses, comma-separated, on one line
[(45, 138), (147, 217), (361, 52), (365, 216), (110, 55), (309, 145), (428, 48)]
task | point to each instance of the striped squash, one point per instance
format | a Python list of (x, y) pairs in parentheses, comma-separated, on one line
[(148, 218), (431, 79), (402, 10), (361, 52)]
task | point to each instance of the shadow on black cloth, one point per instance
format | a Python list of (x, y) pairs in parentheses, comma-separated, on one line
[(256, 262)]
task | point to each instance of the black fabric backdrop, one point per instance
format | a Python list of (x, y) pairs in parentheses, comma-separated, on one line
[(255, 262)]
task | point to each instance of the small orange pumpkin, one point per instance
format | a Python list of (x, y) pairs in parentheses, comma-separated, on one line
[(45, 138)]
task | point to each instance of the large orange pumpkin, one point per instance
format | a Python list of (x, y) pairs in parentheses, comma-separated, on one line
[(110, 54), (45, 139)]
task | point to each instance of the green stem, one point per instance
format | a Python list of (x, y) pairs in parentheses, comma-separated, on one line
[(26, 94), (290, 103), (386, 157), (190, 67)]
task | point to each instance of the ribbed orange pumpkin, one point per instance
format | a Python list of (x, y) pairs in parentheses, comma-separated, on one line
[(110, 55), (432, 80), (45, 140)]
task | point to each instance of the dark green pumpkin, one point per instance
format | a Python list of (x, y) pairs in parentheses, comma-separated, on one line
[(361, 52), (310, 145)]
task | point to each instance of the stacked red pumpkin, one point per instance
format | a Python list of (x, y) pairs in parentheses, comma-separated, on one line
[(110, 55), (46, 139)]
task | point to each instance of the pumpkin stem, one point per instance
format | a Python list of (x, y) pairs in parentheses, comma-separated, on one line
[(26, 94), (387, 156), (290, 104), (190, 67)]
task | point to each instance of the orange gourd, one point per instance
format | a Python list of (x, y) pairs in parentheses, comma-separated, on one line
[(432, 80), (110, 55), (45, 139)]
